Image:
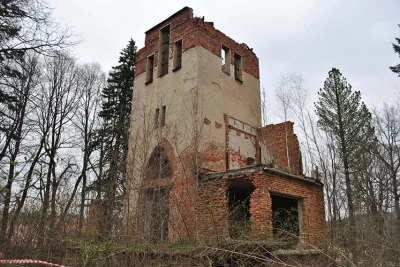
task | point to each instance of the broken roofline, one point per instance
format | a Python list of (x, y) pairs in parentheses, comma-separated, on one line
[(170, 17), (247, 171), (186, 8)]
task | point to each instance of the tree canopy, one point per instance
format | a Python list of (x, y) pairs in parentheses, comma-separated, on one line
[(396, 48)]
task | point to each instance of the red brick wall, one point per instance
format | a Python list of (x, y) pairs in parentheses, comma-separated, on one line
[(212, 39), (212, 206), (96, 218), (274, 137), (204, 216), (193, 32)]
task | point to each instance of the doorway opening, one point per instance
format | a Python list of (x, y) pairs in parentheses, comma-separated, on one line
[(157, 215), (239, 194)]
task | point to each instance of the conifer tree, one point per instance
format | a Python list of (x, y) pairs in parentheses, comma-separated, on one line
[(116, 113), (396, 48), (341, 113)]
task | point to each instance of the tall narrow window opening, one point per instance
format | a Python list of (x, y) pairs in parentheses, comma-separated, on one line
[(238, 67), (149, 70), (225, 59), (163, 113), (156, 117), (164, 50), (178, 55)]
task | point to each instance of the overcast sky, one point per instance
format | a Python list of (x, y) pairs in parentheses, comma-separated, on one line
[(303, 36)]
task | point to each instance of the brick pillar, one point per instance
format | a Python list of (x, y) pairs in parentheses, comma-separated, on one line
[(261, 214), (96, 218)]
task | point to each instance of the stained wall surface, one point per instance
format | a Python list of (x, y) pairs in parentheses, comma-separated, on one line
[(212, 125)]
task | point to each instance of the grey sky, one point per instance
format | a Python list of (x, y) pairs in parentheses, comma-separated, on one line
[(307, 37)]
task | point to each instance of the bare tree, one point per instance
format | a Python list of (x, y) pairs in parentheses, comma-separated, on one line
[(22, 86), (387, 125), (57, 105), (90, 82), (283, 93), (27, 25)]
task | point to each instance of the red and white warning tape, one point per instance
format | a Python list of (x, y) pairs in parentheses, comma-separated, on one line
[(28, 262)]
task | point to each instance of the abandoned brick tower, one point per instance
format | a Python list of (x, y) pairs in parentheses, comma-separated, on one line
[(200, 165)]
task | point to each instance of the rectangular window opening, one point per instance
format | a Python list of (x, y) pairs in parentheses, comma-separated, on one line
[(225, 59), (164, 51), (238, 67), (177, 55), (164, 108), (286, 218), (156, 118), (149, 70)]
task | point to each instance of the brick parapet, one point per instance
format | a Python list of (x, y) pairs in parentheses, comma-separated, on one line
[(274, 137), (194, 32)]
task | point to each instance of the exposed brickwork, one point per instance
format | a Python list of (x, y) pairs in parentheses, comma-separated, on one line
[(213, 159), (194, 32), (207, 121), (236, 157), (198, 206), (212, 203), (212, 39), (96, 218), (274, 137)]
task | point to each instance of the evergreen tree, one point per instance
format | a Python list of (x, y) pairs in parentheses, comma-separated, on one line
[(396, 48), (11, 14), (116, 113), (341, 113)]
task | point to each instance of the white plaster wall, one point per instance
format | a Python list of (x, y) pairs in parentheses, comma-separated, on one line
[(220, 93), (245, 147), (177, 91)]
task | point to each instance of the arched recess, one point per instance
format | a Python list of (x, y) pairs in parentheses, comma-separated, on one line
[(156, 199), (239, 194), (161, 161), (159, 165)]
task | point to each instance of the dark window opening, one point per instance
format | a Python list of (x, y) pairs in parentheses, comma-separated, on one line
[(156, 118), (239, 194), (285, 219), (178, 55), (159, 166), (251, 161), (150, 67), (164, 48), (163, 111), (225, 59), (238, 67), (227, 160), (156, 210)]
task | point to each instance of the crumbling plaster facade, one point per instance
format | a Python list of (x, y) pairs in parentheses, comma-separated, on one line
[(210, 135)]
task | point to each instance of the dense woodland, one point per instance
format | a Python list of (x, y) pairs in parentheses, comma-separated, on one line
[(64, 136)]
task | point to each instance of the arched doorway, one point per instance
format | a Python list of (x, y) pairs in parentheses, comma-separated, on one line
[(156, 200)]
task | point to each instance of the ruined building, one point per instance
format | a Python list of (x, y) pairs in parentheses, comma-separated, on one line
[(200, 165)]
